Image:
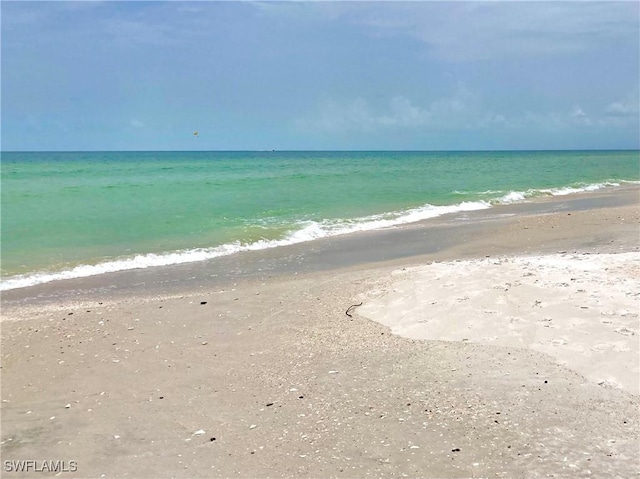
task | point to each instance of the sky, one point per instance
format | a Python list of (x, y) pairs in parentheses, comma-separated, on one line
[(120, 75)]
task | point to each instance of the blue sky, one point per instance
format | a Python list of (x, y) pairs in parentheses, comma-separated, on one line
[(319, 75)]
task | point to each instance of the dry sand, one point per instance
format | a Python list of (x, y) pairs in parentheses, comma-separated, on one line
[(270, 378)]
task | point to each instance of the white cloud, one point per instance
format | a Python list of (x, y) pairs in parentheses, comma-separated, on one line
[(483, 30), (476, 30), (404, 113), (579, 117), (461, 110), (621, 109), (628, 107), (622, 112)]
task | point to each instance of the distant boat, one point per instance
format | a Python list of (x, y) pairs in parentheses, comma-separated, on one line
[(195, 133)]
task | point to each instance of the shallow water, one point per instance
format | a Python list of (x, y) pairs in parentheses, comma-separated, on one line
[(77, 214)]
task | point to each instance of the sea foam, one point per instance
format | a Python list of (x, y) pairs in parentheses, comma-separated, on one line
[(305, 231), (302, 232), (516, 196)]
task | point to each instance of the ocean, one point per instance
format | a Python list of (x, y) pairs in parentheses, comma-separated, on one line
[(76, 214)]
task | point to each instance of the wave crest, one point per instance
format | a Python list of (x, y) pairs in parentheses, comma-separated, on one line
[(303, 232)]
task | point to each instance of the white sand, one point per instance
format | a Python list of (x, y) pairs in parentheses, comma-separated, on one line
[(580, 309), (125, 383)]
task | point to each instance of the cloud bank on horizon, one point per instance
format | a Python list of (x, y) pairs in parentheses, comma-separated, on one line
[(125, 75)]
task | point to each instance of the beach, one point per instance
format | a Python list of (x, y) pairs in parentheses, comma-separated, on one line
[(490, 343)]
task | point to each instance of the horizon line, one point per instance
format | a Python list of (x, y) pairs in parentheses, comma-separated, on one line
[(325, 150)]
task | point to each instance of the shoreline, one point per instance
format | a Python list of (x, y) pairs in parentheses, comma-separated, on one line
[(400, 244), (258, 371), (116, 266)]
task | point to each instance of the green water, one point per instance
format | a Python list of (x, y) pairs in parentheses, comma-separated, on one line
[(61, 210)]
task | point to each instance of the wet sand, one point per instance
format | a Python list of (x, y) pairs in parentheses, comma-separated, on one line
[(249, 367)]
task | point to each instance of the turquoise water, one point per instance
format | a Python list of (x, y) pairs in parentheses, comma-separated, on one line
[(80, 213)]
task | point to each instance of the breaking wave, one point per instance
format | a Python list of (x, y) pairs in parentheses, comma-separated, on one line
[(301, 232)]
